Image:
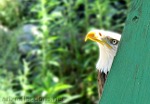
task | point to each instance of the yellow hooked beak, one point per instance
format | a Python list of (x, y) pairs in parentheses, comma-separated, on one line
[(92, 36)]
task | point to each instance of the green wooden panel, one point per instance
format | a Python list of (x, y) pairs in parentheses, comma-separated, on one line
[(129, 79)]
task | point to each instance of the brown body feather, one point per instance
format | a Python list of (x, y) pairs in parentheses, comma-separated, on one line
[(101, 78)]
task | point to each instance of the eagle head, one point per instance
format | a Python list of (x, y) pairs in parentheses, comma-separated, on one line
[(108, 43)]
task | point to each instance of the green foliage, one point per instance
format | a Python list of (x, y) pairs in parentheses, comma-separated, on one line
[(9, 57), (63, 67), (9, 15), (6, 84)]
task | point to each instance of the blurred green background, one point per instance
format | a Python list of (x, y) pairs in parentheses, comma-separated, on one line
[(43, 56)]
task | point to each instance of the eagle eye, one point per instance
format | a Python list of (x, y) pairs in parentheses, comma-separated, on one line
[(114, 41)]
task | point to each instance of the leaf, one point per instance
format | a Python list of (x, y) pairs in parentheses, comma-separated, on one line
[(26, 67), (67, 100), (52, 39), (55, 63), (62, 87)]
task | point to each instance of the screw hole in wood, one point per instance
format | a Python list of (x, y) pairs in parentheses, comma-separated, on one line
[(135, 18)]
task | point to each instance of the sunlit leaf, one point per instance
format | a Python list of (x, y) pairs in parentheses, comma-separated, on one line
[(54, 63), (62, 87), (71, 98)]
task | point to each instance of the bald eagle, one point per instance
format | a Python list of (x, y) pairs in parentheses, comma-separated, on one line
[(107, 42)]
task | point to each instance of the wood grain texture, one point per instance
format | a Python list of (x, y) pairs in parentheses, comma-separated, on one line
[(129, 79)]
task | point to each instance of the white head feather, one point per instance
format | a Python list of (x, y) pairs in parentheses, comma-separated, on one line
[(107, 48)]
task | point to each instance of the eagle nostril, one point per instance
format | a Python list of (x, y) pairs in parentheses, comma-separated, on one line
[(100, 34)]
